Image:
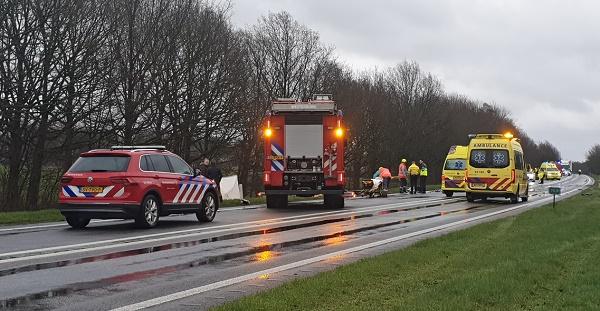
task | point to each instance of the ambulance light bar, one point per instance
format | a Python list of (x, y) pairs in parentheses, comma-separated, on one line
[(494, 136)]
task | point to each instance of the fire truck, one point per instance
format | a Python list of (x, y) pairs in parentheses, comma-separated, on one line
[(304, 151)]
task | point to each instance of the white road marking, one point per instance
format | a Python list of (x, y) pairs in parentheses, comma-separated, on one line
[(64, 249), (53, 225), (247, 277)]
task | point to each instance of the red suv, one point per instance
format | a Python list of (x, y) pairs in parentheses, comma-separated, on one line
[(134, 182)]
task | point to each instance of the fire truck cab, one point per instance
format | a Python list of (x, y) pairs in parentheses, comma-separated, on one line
[(304, 151)]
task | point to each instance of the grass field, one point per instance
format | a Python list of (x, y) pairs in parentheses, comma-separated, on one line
[(543, 259)]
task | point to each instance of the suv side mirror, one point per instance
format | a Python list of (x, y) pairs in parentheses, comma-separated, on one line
[(197, 172)]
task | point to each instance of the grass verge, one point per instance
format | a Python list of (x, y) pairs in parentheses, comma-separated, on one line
[(30, 217), (543, 259)]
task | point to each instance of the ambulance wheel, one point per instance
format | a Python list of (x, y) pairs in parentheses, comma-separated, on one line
[(77, 222), (526, 197), (449, 194), (208, 208), (514, 198), (333, 201), (277, 201), (149, 212), (470, 198)]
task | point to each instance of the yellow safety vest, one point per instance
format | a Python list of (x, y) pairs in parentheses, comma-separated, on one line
[(413, 170)]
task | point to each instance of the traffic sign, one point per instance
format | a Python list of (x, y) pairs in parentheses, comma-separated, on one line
[(554, 190)]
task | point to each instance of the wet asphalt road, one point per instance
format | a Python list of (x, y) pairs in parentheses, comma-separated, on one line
[(184, 264)]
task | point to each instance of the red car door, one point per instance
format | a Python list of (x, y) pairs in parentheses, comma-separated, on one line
[(191, 189), (165, 178)]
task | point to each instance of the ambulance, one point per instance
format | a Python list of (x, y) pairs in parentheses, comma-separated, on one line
[(550, 170), (496, 168), (453, 175)]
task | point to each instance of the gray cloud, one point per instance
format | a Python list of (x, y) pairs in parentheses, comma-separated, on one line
[(539, 59)]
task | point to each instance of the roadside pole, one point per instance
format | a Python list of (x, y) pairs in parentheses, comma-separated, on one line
[(554, 191)]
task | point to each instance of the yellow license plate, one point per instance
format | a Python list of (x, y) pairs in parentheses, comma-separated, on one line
[(92, 189), (479, 186)]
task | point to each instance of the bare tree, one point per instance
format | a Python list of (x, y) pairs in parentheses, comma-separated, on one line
[(20, 41), (593, 159)]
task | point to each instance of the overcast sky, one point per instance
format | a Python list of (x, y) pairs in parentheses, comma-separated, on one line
[(539, 59)]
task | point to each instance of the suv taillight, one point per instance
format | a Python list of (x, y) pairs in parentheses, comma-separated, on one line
[(66, 179)]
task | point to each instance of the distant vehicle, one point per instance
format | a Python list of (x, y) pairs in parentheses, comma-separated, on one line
[(531, 176), (304, 151), (453, 174), (496, 168), (134, 182), (550, 171), (566, 172), (566, 164)]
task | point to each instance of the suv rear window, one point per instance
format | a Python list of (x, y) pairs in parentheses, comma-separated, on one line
[(489, 158), (101, 163), (455, 164), (158, 163)]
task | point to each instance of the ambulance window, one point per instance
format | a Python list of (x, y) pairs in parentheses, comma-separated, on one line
[(518, 160), (489, 158), (455, 164)]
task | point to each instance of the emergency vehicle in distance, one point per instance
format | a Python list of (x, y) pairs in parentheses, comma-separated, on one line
[(453, 174), (550, 171), (134, 182), (496, 168), (304, 151)]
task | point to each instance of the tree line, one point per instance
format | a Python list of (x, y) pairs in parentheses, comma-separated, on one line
[(84, 74), (591, 165)]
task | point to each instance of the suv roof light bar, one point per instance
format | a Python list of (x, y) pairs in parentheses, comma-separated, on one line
[(138, 147)]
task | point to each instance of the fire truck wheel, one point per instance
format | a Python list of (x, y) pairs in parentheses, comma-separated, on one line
[(449, 194), (277, 201), (334, 201)]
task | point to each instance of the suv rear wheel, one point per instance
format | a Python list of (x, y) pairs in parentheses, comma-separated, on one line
[(149, 212), (77, 222), (208, 208)]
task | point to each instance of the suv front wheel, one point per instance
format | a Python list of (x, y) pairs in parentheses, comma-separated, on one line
[(208, 208), (149, 212)]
